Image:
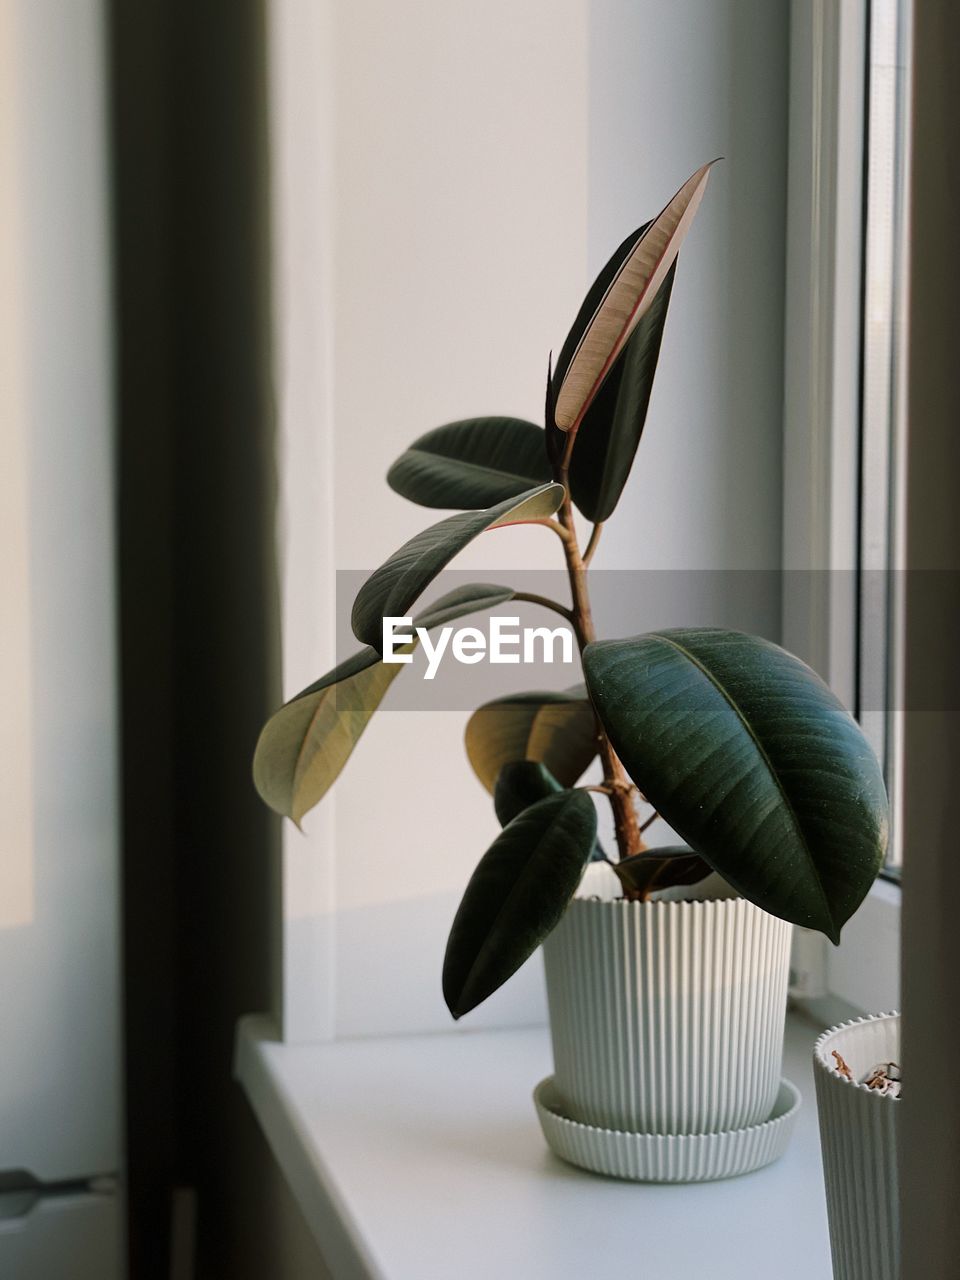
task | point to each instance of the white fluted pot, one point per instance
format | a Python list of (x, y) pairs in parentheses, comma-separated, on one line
[(858, 1140), (668, 1017)]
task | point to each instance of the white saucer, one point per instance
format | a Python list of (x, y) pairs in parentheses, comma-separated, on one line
[(657, 1157)]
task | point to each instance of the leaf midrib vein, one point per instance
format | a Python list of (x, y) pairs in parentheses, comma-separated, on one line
[(484, 468), (788, 805)]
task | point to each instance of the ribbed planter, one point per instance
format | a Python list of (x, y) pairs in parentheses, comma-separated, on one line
[(667, 1017), (663, 1157), (858, 1138)]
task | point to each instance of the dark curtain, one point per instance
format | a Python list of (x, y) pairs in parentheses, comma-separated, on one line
[(197, 610)]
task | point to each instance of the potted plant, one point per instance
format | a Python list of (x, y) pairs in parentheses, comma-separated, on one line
[(857, 1074), (667, 1017)]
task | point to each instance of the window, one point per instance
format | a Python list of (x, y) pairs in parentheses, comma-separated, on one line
[(843, 419), (881, 453)]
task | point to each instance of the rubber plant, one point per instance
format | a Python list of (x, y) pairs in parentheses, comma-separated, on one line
[(738, 745)]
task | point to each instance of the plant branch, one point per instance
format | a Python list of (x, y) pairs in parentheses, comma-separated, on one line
[(648, 822), (567, 452), (558, 529), (629, 839), (530, 597), (592, 543)]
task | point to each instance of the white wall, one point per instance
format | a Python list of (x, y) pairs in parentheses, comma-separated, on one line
[(672, 86), (60, 1096), (449, 177)]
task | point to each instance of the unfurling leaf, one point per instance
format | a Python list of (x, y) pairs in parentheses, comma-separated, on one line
[(470, 464), (517, 894), (588, 309), (753, 761), (399, 582), (610, 433), (628, 296), (556, 729)]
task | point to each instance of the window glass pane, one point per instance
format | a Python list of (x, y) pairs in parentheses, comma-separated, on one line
[(883, 345)]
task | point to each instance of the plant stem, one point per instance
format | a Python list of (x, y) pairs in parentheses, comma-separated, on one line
[(592, 543), (558, 529), (621, 789), (530, 597)]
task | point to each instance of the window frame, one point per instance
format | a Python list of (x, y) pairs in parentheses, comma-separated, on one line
[(883, 450), (822, 434)]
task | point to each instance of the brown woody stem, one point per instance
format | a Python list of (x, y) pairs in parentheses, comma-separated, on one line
[(558, 529), (592, 543), (616, 781)]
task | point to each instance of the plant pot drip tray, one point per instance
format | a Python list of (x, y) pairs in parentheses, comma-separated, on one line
[(657, 1157)]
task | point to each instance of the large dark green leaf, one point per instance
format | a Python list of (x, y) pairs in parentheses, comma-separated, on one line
[(753, 761), (457, 603), (470, 464), (393, 588), (628, 296), (521, 784), (610, 433), (556, 729), (517, 894), (304, 746)]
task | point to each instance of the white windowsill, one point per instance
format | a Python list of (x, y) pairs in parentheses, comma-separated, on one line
[(420, 1158)]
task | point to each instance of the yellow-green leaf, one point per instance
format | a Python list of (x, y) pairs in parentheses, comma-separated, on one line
[(304, 746), (556, 729)]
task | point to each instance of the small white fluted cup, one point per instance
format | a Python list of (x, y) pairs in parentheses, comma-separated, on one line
[(667, 1017), (858, 1141)]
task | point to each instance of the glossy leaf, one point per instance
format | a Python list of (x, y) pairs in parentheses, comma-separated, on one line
[(304, 746), (753, 761), (470, 464), (398, 583), (470, 598), (556, 729), (521, 784), (669, 867), (516, 896), (555, 439), (628, 296), (588, 309), (612, 426)]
